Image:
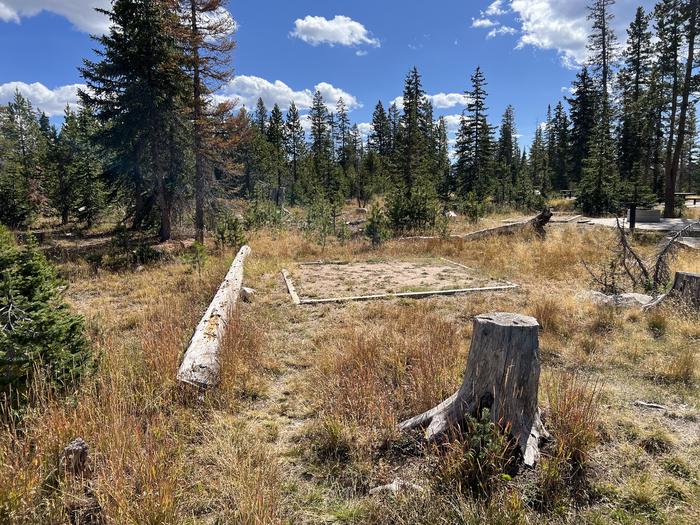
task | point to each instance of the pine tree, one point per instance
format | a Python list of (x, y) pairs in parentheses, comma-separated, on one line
[(23, 157), (380, 137), (260, 116), (275, 138), (599, 188), (39, 331), (602, 45), (582, 109), (559, 149), (446, 184), (325, 179), (538, 162), (295, 143), (137, 88), (207, 42), (473, 166), (634, 80), (669, 31), (692, 18), (507, 157)]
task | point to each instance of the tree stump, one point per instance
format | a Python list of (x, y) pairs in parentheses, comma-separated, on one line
[(75, 457), (686, 286), (502, 374)]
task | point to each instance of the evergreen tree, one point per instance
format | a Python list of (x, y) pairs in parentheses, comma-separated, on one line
[(260, 116), (601, 45), (23, 157), (325, 179), (507, 157), (137, 88), (276, 160), (39, 331), (295, 143), (538, 163), (559, 149), (634, 79), (443, 170), (473, 166), (380, 138), (583, 107), (599, 188)]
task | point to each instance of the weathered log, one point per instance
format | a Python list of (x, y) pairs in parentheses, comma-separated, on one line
[(502, 374), (538, 223), (200, 366)]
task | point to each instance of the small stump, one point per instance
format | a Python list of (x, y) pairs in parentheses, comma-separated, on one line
[(502, 374)]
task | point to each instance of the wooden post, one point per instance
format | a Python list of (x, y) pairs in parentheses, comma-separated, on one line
[(502, 374), (200, 366)]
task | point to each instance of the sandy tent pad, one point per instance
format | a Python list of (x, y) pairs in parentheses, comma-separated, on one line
[(376, 278)]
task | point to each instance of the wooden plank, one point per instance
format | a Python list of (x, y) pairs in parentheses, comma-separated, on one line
[(409, 295), (290, 287), (456, 264)]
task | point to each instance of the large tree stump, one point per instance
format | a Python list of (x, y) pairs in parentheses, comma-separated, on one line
[(502, 374), (200, 366)]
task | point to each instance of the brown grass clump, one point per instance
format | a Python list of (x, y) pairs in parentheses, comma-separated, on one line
[(682, 367), (400, 361), (572, 416)]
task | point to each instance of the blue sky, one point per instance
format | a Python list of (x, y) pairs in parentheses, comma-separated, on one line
[(358, 49)]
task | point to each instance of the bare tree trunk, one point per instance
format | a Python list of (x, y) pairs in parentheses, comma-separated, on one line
[(200, 183), (502, 375)]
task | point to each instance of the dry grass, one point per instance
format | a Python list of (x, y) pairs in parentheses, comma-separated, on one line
[(330, 382)]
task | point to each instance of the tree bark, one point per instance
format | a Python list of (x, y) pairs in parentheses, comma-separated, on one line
[(686, 286), (200, 366), (199, 184), (502, 374)]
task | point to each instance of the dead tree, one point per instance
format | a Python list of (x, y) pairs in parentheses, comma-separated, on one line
[(200, 366), (502, 375)]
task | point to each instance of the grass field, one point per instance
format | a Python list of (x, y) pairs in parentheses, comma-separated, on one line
[(304, 423)]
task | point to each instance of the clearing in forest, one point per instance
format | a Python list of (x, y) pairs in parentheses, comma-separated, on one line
[(336, 279)]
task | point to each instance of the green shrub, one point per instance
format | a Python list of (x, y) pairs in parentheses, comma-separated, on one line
[(228, 231), (38, 332), (377, 229), (478, 460)]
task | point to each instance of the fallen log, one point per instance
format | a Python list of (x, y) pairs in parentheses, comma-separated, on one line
[(538, 222), (502, 375), (200, 366)]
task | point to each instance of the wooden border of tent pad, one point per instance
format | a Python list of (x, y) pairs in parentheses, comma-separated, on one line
[(409, 295)]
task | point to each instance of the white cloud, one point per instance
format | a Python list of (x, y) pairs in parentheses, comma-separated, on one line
[(50, 101), (496, 9), (247, 89), (452, 122), (80, 13), (503, 30), (365, 129), (563, 25), (439, 100), (483, 22), (340, 30), (554, 24), (360, 52)]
